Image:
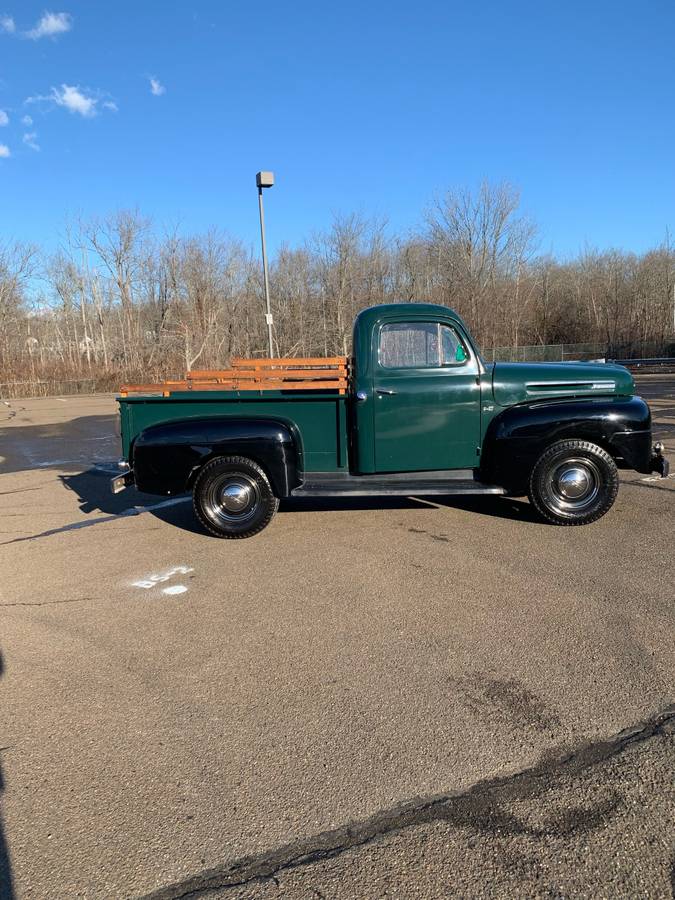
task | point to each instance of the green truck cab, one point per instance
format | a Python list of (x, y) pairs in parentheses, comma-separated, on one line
[(423, 414)]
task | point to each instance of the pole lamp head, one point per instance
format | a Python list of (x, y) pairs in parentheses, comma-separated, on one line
[(264, 179)]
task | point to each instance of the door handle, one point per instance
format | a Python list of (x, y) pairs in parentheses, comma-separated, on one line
[(384, 391)]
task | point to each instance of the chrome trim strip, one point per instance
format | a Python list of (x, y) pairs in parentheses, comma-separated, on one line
[(557, 386)]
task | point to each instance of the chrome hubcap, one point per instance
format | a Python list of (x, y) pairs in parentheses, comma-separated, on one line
[(232, 498), (236, 497), (573, 482), (574, 485)]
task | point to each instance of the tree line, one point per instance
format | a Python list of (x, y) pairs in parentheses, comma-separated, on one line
[(120, 301)]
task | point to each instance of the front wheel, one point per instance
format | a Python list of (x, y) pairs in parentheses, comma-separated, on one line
[(232, 497), (573, 483)]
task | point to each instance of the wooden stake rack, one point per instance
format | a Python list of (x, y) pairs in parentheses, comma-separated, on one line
[(299, 374)]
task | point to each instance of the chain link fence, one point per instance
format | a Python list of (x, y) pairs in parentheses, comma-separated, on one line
[(13, 390), (580, 352), (546, 353)]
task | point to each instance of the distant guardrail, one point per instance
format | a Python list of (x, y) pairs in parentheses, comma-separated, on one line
[(651, 363)]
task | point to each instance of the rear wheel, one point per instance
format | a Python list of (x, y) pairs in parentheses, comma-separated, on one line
[(232, 497), (573, 483)]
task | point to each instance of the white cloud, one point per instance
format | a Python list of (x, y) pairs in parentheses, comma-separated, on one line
[(27, 121), (7, 24), (4, 118), (71, 98), (75, 99), (156, 87), (4, 151), (30, 140), (50, 25)]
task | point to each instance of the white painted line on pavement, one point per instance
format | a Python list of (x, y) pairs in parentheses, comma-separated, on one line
[(151, 581)]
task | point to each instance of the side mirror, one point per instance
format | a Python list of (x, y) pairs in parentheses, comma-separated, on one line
[(460, 354)]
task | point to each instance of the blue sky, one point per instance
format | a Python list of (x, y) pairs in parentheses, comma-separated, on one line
[(371, 107)]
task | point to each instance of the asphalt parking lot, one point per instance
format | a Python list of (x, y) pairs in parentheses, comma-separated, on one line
[(411, 699)]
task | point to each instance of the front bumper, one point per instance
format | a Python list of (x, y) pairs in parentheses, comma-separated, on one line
[(658, 462), (637, 452)]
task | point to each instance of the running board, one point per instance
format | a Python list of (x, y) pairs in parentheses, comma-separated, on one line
[(335, 484)]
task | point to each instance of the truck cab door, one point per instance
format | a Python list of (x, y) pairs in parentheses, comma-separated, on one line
[(426, 397)]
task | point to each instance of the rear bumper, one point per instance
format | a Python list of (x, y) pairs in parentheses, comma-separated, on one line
[(122, 481)]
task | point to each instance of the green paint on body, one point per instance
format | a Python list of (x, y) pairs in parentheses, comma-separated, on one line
[(320, 418), (403, 419)]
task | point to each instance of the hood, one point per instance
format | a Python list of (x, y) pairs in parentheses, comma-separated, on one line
[(519, 382)]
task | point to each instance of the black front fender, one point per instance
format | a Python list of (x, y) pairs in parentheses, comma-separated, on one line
[(518, 436), (166, 457)]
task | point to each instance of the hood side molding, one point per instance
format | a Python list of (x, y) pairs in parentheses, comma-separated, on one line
[(555, 387)]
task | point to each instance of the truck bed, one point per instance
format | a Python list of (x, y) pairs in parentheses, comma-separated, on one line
[(319, 416)]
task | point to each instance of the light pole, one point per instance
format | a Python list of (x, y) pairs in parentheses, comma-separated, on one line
[(265, 180)]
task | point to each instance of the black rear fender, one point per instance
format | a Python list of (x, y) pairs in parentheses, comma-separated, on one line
[(167, 457), (519, 435)]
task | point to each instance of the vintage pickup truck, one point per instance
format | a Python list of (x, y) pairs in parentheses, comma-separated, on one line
[(417, 411)]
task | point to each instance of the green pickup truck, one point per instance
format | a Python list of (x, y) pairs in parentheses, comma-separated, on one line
[(422, 414)]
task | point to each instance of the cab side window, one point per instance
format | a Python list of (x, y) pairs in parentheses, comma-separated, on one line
[(420, 345)]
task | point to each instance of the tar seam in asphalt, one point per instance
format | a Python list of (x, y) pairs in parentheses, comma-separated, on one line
[(477, 804)]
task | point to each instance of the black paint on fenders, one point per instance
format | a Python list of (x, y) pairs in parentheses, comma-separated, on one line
[(518, 435), (166, 457)]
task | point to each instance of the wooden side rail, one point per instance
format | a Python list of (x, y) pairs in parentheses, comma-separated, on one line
[(164, 388), (267, 375), (273, 367), (290, 362), (239, 385), (305, 373)]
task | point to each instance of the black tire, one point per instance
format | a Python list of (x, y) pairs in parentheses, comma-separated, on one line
[(573, 483), (232, 497)]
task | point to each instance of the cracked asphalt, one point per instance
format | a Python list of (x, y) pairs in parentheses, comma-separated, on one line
[(409, 699)]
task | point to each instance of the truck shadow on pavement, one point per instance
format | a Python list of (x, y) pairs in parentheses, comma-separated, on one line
[(497, 507), (92, 488), (512, 508), (59, 445), (6, 881)]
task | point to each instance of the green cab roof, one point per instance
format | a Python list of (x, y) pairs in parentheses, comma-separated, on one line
[(389, 310), (368, 320)]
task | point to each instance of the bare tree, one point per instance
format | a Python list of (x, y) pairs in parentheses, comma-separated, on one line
[(18, 263), (118, 302), (476, 239)]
